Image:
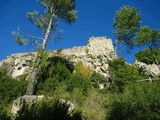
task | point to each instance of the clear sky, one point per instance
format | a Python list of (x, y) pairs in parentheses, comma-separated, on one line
[(95, 18)]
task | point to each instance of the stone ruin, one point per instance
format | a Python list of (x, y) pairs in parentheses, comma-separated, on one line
[(96, 54)]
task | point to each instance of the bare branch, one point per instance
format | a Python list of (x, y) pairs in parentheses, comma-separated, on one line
[(28, 35)]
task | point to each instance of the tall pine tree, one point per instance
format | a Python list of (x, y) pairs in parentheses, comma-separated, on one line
[(54, 10)]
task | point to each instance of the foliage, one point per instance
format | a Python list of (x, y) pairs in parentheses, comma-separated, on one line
[(67, 13), (54, 11), (53, 71), (126, 24), (93, 107), (10, 89), (122, 73), (146, 57), (19, 40), (46, 110), (79, 81), (149, 37), (88, 107), (129, 32), (140, 101), (3, 72), (96, 78), (83, 69)]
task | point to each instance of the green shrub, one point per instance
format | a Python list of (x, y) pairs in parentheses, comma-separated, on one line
[(97, 77), (122, 73), (48, 86), (83, 69), (140, 101), (10, 89), (47, 109), (3, 72), (52, 72), (146, 56), (79, 81)]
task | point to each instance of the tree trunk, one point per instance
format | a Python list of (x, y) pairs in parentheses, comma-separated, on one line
[(156, 61), (154, 57), (32, 81), (115, 48)]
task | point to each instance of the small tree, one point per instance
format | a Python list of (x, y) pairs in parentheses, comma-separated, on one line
[(54, 10)]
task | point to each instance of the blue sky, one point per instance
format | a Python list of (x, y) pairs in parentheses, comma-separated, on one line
[(95, 18)]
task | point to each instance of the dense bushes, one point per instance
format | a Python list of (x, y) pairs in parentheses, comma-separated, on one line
[(53, 72), (140, 101), (46, 110), (122, 73), (10, 89), (80, 79), (147, 57), (57, 71)]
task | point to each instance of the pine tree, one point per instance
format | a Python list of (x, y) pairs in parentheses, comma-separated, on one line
[(126, 23), (54, 11)]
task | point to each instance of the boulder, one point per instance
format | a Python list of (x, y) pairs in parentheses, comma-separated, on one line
[(26, 99), (148, 69)]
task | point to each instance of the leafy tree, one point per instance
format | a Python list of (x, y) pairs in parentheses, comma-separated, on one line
[(151, 38), (131, 33), (126, 23), (54, 11)]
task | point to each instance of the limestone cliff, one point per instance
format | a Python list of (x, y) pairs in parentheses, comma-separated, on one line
[(95, 54)]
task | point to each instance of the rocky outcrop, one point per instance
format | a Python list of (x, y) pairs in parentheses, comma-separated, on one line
[(18, 104), (26, 99), (95, 54), (17, 64), (66, 104), (148, 69)]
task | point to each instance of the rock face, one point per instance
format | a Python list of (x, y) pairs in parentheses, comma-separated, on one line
[(95, 55), (17, 64), (148, 69)]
